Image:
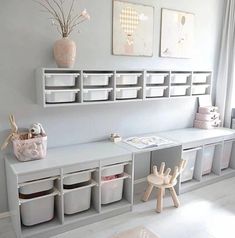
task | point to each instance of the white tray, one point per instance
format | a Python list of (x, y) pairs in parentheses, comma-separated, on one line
[(96, 79), (155, 91), (64, 95), (127, 79), (179, 78), (155, 78), (179, 90), (200, 77), (60, 80), (127, 93), (199, 89), (97, 94)]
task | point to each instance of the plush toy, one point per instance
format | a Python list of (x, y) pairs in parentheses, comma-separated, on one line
[(36, 130)]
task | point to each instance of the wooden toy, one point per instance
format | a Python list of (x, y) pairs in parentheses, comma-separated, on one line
[(115, 138), (162, 181)]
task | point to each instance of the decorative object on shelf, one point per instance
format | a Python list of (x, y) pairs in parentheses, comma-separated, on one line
[(27, 145), (132, 29), (177, 34), (162, 181), (65, 22), (115, 137)]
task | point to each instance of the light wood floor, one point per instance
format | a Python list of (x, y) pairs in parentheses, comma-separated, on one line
[(208, 212)]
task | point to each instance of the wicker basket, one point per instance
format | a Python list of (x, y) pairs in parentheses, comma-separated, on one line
[(30, 149)]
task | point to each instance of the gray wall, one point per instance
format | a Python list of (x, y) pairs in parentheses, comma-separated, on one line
[(26, 43)]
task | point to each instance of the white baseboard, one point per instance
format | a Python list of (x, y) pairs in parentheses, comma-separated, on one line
[(4, 215)]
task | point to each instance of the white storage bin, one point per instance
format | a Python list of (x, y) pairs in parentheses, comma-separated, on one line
[(112, 170), (155, 78), (127, 93), (155, 91), (200, 77), (97, 94), (228, 145), (111, 191), (127, 79), (60, 96), (207, 159), (37, 211), (96, 79), (77, 201), (80, 199), (179, 78), (190, 156), (199, 89), (36, 187), (60, 80), (179, 90)]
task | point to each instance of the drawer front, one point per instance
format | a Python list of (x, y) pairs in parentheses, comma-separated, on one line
[(38, 175), (80, 167), (115, 160)]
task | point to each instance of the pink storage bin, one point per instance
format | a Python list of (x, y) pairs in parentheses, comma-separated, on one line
[(209, 109), (206, 124), (30, 149), (207, 116)]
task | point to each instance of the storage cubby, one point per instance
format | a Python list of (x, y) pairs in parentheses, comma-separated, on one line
[(227, 155), (113, 86)]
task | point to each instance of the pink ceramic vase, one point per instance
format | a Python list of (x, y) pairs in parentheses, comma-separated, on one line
[(65, 52)]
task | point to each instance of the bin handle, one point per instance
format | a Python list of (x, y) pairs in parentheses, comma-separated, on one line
[(92, 184), (124, 176), (192, 149), (37, 181)]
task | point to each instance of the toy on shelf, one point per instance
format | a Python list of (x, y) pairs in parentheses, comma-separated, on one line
[(162, 181), (115, 137), (29, 145)]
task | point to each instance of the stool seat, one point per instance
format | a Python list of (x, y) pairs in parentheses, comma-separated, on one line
[(159, 182)]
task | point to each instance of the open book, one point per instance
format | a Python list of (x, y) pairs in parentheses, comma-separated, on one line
[(147, 142)]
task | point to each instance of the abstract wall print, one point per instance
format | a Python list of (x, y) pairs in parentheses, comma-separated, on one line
[(177, 34), (132, 29)]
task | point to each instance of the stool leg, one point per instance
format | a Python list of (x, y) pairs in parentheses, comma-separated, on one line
[(160, 194), (147, 193), (174, 197)]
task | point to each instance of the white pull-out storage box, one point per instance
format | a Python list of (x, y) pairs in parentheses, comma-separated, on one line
[(96, 79), (179, 90), (127, 78), (112, 190), (155, 78), (207, 159), (199, 89), (190, 156), (155, 91), (61, 96), (228, 145), (200, 77), (127, 93), (41, 209), (96, 94), (60, 80), (179, 78), (77, 199)]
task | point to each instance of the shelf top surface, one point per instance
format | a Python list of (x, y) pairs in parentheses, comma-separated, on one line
[(96, 151)]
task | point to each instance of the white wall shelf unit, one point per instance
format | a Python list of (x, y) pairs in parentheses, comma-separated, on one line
[(67, 87)]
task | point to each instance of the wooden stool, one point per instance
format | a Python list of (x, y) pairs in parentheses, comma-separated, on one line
[(162, 181)]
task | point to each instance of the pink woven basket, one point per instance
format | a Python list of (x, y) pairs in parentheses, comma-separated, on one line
[(30, 149)]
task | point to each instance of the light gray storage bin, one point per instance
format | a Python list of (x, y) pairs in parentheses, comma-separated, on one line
[(200, 77), (60, 96), (179, 78), (96, 94), (127, 78), (42, 208), (180, 90), (228, 145), (190, 156), (97, 79), (155, 78), (77, 199), (207, 159), (112, 190), (199, 89), (60, 80), (127, 93), (155, 91)]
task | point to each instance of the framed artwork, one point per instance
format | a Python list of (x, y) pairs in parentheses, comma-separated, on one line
[(132, 29), (177, 34)]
